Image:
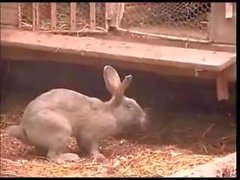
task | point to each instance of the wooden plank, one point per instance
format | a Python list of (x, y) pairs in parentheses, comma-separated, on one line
[(161, 36), (26, 54), (231, 74), (120, 13), (9, 16), (210, 24), (71, 58), (106, 15), (35, 14), (11, 20), (126, 35), (92, 16), (9, 5), (125, 52), (76, 33), (222, 87), (19, 16), (53, 16), (73, 7), (224, 30)]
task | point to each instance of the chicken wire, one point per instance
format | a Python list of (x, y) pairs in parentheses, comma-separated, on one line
[(62, 16), (101, 15), (183, 19), (26, 15)]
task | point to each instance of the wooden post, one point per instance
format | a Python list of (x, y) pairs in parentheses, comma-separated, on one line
[(19, 16), (73, 16), (120, 12), (53, 16), (210, 23), (36, 14), (106, 15), (222, 86), (114, 13), (33, 16), (92, 16)]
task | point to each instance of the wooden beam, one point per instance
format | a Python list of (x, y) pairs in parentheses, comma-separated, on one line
[(36, 19), (9, 14), (201, 60), (50, 55), (53, 16), (210, 26), (106, 15), (37, 16), (136, 36), (19, 16), (33, 16), (73, 7), (222, 87), (92, 16)]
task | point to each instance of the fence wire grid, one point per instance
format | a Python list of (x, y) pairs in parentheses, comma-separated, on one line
[(62, 16), (183, 19)]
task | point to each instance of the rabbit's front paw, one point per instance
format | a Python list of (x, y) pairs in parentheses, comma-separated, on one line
[(67, 157), (99, 157)]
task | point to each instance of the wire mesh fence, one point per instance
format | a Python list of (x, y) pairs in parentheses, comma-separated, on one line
[(101, 15), (182, 19), (26, 15), (63, 16)]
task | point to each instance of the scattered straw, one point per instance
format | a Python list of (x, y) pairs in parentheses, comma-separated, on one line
[(154, 155), (208, 130)]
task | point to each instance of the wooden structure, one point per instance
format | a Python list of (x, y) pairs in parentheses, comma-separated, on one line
[(215, 59), (9, 14), (51, 13)]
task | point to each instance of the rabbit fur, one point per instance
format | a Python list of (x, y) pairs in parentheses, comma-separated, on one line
[(52, 118)]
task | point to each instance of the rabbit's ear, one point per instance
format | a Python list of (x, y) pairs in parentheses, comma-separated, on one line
[(124, 85), (111, 79)]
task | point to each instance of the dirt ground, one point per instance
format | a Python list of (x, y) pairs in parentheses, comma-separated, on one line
[(186, 129)]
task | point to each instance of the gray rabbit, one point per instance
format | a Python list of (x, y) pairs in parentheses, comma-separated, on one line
[(52, 118)]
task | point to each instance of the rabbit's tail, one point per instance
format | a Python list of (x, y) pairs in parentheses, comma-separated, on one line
[(17, 132)]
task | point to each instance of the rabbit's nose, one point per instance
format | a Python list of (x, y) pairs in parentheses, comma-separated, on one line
[(143, 120), (147, 111), (144, 124)]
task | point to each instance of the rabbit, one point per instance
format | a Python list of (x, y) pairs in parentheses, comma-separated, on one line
[(52, 118)]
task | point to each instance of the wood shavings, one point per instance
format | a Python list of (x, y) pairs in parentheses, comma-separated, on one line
[(124, 157)]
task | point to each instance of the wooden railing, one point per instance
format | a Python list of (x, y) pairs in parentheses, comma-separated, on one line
[(36, 24)]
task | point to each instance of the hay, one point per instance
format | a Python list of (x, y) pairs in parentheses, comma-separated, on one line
[(125, 157)]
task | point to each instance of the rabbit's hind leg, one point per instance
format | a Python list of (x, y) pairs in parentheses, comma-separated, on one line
[(68, 157), (57, 151), (62, 157), (52, 132)]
